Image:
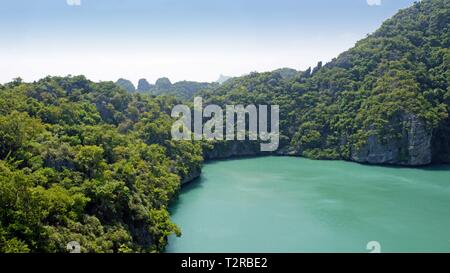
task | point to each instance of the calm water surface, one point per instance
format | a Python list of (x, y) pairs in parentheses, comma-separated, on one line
[(286, 204)]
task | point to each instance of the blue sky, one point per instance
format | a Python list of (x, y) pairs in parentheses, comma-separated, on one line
[(180, 39)]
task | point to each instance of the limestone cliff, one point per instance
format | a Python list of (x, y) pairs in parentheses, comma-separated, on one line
[(413, 148)]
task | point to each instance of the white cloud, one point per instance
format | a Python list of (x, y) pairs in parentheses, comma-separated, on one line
[(73, 2), (374, 2)]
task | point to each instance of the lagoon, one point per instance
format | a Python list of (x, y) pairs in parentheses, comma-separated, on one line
[(288, 204)]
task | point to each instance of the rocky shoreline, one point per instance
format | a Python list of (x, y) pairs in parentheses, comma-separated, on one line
[(413, 149)]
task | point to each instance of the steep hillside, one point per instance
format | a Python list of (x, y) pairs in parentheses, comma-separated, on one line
[(87, 162), (386, 100)]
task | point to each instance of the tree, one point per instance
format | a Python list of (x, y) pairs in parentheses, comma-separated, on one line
[(90, 160)]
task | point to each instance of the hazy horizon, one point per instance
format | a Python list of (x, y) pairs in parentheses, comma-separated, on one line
[(194, 41)]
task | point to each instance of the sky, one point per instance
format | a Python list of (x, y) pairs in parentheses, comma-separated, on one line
[(179, 39)]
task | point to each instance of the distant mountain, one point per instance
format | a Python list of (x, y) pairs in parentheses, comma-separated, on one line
[(183, 90), (126, 84), (144, 86), (223, 79), (163, 84)]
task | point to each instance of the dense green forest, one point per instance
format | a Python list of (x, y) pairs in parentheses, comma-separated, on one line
[(87, 162), (95, 163), (386, 100)]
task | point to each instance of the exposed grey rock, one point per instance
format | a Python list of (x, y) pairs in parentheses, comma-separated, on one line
[(412, 149)]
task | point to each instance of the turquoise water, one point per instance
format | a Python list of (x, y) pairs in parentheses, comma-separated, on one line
[(286, 204)]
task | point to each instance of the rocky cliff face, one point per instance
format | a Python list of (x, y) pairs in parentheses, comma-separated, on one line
[(412, 149), (229, 149)]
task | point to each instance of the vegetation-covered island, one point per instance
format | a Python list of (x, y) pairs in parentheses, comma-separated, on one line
[(95, 162)]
